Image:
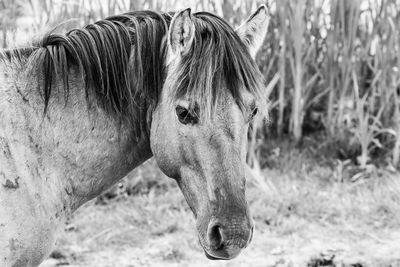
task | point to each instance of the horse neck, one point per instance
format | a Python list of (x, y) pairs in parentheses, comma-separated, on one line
[(77, 147)]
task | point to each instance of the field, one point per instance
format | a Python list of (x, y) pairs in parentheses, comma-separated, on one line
[(305, 216)]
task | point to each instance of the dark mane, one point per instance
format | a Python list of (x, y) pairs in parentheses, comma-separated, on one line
[(122, 61), (120, 58)]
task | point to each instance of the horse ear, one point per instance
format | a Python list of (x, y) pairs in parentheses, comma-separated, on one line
[(181, 32), (253, 30)]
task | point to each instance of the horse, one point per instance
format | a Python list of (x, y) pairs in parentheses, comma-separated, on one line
[(80, 110)]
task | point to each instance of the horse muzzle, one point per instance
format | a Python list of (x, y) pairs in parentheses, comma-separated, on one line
[(226, 241)]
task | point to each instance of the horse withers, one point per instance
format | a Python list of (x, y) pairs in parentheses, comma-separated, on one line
[(79, 111)]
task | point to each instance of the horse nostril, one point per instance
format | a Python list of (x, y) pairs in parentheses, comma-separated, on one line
[(251, 235), (215, 237)]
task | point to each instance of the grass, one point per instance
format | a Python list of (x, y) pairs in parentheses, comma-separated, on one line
[(303, 216)]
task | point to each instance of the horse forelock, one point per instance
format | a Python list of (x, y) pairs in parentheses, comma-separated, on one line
[(218, 61)]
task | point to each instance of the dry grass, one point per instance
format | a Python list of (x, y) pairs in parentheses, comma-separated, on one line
[(301, 212)]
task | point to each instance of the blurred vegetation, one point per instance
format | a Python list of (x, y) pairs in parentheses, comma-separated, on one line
[(331, 68), (338, 63)]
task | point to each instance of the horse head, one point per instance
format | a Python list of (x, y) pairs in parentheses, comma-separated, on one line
[(212, 91)]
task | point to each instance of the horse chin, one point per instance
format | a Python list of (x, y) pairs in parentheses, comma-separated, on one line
[(222, 253), (213, 258), (218, 257)]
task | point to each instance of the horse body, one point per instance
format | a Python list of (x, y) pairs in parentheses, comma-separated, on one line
[(95, 110), (52, 164)]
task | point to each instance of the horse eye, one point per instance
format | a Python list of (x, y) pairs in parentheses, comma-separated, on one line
[(185, 116), (254, 113)]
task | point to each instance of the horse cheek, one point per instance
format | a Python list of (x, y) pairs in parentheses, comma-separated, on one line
[(164, 145)]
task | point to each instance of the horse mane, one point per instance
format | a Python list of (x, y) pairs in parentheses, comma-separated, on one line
[(122, 61), (120, 58)]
